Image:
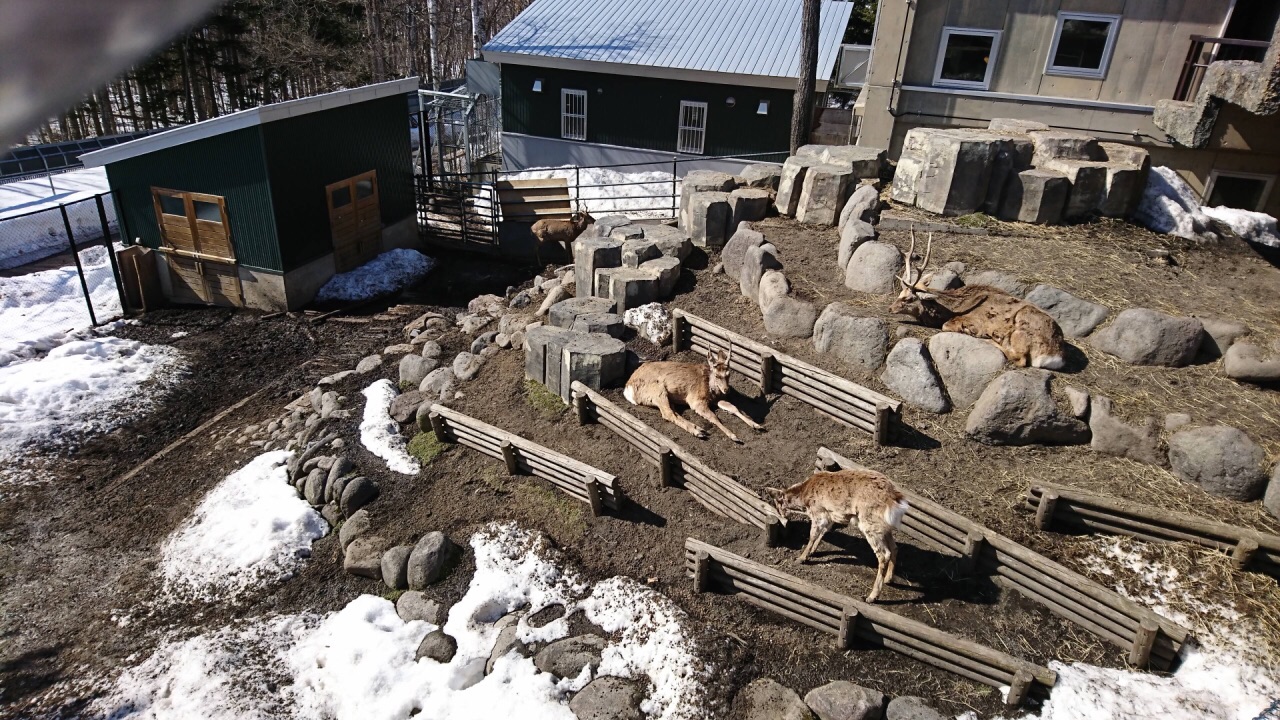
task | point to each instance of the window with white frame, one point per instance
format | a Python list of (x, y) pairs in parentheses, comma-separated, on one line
[(692, 137), (1240, 190), (1082, 44), (573, 114), (966, 58)]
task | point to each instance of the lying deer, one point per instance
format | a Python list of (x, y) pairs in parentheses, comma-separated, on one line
[(840, 497), (560, 231), (656, 384), (1026, 334)]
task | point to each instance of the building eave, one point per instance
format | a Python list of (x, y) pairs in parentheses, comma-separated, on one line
[(668, 73)]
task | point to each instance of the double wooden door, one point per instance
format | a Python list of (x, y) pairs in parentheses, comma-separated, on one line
[(355, 220)]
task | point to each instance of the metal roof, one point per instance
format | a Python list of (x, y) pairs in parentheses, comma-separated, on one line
[(247, 118), (755, 42)]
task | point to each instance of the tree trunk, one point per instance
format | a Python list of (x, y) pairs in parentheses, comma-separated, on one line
[(802, 105), (477, 33), (433, 51)]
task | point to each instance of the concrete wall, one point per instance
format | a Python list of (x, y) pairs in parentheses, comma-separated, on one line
[(522, 152)]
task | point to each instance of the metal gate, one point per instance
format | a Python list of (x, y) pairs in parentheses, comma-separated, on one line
[(458, 133), (458, 212)]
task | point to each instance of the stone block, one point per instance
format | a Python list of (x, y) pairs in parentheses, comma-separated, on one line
[(906, 178), (597, 361), (589, 255), (562, 314), (637, 251), (789, 317), (542, 348), (1013, 155), (1055, 144), (1124, 187), (669, 240), (668, 271), (859, 342), (863, 161), (736, 249), (1088, 184), (705, 219), (603, 227), (747, 205), (826, 188), (763, 176), (628, 287), (627, 232), (754, 264), (791, 182), (958, 163), (1035, 196), (1015, 125), (607, 323)]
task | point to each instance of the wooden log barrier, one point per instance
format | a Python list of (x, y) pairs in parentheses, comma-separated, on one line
[(581, 481), (1077, 509), (842, 400), (848, 619), (677, 467), (1063, 592)]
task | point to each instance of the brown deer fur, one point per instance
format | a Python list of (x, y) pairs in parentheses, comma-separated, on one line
[(1026, 334), (560, 231), (841, 497), (698, 385)]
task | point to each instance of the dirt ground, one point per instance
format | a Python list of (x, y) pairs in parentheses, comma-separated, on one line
[(77, 551)]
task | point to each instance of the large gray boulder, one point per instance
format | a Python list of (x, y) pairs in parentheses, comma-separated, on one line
[(842, 700), (563, 313), (859, 342), (670, 241), (1271, 499), (997, 280), (357, 493), (1075, 316), (911, 708), (395, 567), (466, 366), (736, 249), (1221, 459), (413, 605), (967, 365), (1018, 409), (909, 372), (438, 385), (826, 188), (705, 219), (748, 205), (668, 271), (791, 183), (1088, 185), (873, 267), (1140, 336), (1220, 335), (862, 205), (507, 640), (628, 287), (438, 646), (789, 317), (415, 367), (1113, 436), (430, 559), (863, 161), (852, 235), (754, 264), (946, 170), (1244, 361), (762, 176), (773, 284), (566, 658), (357, 524), (363, 556), (608, 698), (766, 699), (405, 405)]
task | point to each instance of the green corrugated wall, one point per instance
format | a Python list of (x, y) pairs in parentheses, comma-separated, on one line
[(231, 165), (308, 152), (643, 112)]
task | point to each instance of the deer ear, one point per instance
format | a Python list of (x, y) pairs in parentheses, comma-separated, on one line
[(776, 492)]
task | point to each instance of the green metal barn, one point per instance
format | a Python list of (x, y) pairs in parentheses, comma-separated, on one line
[(261, 207)]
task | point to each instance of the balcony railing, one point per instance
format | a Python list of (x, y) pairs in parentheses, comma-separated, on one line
[(1206, 50)]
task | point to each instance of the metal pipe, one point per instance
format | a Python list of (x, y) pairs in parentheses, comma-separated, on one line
[(111, 251), (84, 286)]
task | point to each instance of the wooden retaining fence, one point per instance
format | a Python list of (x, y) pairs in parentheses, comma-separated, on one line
[(845, 401), (1082, 510), (677, 467), (579, 480), (847, 619), (1152, 640)]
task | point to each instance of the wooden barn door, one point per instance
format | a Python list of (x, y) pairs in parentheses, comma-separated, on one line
[(355, 219), (196, 238)]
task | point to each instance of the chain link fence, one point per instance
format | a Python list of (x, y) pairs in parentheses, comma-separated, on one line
[(58, 270)]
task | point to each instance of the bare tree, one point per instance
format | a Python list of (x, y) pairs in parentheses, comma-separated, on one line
[(802, 105)]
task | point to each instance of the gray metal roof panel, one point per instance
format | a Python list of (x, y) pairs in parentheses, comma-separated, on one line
[(745, 37)]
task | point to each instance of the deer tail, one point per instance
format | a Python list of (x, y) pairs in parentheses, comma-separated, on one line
[(894, 512)]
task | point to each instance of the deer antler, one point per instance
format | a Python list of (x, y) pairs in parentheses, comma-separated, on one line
[(905, 278)]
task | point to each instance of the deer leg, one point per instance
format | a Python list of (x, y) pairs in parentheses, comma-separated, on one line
[(876, 539), (669, 414), (728, 407), (818, 527), (707, 414), (1017, 348)]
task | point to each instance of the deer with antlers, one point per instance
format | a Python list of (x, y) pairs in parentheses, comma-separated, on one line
[(560, 231), (698, 385), (842, 497), (1026, 334)]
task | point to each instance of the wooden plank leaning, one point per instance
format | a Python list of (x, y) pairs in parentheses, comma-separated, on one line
[(578, 479), (677, 467), (1064, 592), (842, 400), (847, 618), (1076, 508)]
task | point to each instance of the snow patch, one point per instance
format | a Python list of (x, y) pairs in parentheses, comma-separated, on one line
[(390, 272), (27, 235), (1170, 206), (80, 387), (631, 192), (1253, 226), (43, 304), (250, 529), (380, 434)]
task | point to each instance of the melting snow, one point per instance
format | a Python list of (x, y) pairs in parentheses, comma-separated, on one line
[(251, 528), (359, 662), (390, 272), (1170, 206), (34, 236), (629, 191), (51, 302), (380, 434), (1255, 226)]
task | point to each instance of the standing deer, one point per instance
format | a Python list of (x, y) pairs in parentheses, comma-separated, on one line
[(560, 231), (840, 497), (1025, 334), (656, 384)]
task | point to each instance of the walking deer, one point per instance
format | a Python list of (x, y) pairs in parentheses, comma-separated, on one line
[(560, 231), (698, 385), (1026, 334), (840, 497)]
